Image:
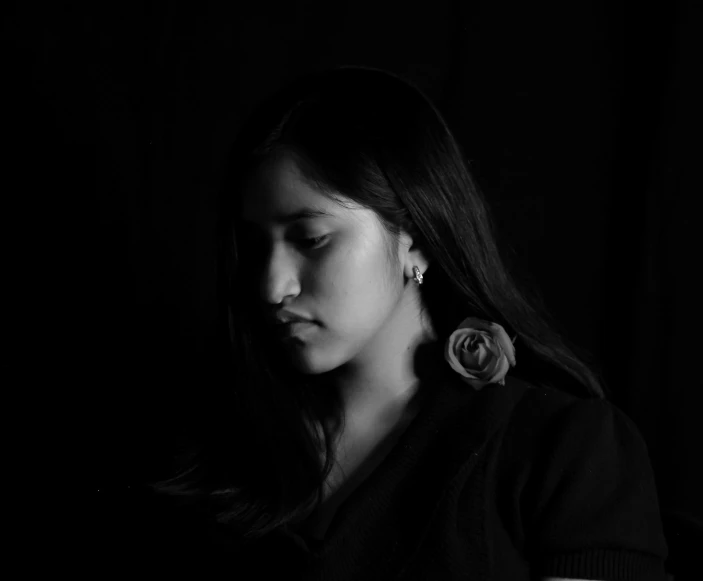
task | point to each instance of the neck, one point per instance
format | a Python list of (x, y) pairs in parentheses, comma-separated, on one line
[(373, 400)]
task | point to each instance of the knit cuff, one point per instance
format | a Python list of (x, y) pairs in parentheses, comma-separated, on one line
[(603, 564)]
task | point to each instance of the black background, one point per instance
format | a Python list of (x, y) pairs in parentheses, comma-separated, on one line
[(579, 119)]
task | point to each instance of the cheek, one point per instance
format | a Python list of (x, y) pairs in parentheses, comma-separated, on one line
[(353, 293), (339, 274), (336, 287)]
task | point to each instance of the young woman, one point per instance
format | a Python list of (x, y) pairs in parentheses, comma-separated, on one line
[(397, 407)]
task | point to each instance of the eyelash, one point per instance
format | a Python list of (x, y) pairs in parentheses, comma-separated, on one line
[(308, 243), (314, 242)]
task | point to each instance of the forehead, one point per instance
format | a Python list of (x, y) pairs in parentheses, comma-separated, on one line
[(278, 193)]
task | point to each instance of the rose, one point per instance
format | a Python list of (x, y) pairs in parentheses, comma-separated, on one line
[(480, 351)]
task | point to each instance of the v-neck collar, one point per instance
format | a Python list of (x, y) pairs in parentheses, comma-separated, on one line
[(448, 400)]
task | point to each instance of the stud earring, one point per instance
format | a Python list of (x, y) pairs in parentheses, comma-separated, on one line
[(418, 275)]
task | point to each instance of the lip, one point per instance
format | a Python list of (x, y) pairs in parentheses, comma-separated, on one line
[(292, 329), (290, 320), (285, 317)]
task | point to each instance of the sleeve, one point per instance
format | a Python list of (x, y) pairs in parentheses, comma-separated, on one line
[(591, 507)]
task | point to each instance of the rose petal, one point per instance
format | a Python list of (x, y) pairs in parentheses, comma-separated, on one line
[(468, 359), (502, 367), (480, 351)]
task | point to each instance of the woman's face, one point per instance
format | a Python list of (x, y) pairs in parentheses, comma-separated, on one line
[(344, 282)]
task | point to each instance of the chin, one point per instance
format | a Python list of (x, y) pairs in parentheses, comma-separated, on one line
[(304, 360)]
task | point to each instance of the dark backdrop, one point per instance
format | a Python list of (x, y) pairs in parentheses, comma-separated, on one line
[(578, 119)]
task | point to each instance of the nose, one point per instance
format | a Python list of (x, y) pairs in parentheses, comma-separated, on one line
[(279, 277)]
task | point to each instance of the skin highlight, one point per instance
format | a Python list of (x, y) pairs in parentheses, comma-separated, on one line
[(365, 305)]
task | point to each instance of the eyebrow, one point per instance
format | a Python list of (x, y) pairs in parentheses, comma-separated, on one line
[(299, 215)]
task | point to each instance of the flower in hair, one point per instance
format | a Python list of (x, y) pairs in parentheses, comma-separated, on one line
[(481, 352)]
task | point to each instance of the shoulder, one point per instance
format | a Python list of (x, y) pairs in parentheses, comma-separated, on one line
[(553, 438), (523, 425), (572, 474), (544, 411), (518, 408), (546, 422)]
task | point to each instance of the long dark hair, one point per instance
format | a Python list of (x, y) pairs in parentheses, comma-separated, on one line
[(263, 451)]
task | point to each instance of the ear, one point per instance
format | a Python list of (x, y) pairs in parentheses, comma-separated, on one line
[(412, 255)]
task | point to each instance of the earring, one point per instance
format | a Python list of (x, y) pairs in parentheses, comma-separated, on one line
[(418, 275)]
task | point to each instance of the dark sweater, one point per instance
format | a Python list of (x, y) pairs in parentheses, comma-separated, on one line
[(512, 482)]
